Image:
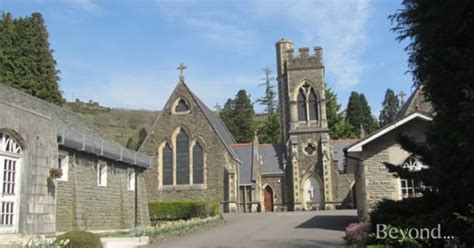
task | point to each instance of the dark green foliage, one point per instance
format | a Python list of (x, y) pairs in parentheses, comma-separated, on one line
[(269, 99), (131, 144), (337, 122), (269, 131), (441, 58), (175, 210), (359, 115), (142, 134), (390, 107), (238, 115), (26, 60), (81, 239)]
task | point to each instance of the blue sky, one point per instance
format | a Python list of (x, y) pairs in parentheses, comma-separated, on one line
[(124, 53)]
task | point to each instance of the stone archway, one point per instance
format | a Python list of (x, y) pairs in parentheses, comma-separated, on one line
[(312, 194), (268, 199)]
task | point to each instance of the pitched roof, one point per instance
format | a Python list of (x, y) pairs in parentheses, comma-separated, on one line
[(357, 147), (74, 131), (338, 150), (271, 156), (216, 122), (417, 102)]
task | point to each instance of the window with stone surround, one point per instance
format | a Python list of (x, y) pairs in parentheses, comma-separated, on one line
[(184, 162), (131, 179), (63, 165), (167, 165), (102, 174), (198, 164), (182, 158), (307, 103), (411, 187)]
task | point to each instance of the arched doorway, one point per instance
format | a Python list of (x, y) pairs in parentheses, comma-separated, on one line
[(268, 198), (312, 193), (10, 163)]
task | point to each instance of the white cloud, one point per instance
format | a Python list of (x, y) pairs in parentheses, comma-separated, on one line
[(338, 26), (222, 27), (87, 5)]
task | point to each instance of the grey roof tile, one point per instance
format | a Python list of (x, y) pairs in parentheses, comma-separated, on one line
[(338, 151), (74, 131)]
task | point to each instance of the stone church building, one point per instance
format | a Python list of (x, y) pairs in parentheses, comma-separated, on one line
[(197, 157), (101, 185)]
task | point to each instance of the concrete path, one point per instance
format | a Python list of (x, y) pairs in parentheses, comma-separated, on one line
[(285, 229)]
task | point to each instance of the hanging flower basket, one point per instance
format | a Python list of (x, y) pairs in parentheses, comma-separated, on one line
[(54, 173)]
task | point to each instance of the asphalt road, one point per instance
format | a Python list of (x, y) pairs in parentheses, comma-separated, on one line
[(284, 229)]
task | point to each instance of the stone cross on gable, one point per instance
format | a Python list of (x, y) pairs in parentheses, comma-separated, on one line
[(181, 69), (402, 97)]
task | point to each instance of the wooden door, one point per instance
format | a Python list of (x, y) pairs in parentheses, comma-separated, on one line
[(268, 199)]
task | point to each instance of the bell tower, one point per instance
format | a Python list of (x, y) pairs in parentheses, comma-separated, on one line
[(304, 126)]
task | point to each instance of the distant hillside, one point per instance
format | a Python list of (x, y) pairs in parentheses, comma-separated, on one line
[(120, 124)]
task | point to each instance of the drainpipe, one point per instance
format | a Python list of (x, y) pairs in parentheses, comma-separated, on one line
[(136, 197)]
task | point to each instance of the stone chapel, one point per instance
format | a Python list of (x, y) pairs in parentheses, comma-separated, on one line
[(197, 157)]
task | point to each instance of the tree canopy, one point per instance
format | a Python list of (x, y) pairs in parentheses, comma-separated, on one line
[(441, 59), (26, 60), (338, 125), (238, 115), (359, 114), (390, 107)]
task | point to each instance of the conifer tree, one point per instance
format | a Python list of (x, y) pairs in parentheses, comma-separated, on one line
[(26, 60), (269, 130), (238, 115), (390, 107), (338, 125), (441, 52), (359, 114)]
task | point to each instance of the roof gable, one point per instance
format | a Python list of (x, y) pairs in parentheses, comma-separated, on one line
[(357, 147)]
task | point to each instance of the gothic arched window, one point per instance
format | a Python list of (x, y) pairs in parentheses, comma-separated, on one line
[(313, 105), (181, 106), (167, 163), (307, 103), (198, 164), (302, 105), (182, 158)]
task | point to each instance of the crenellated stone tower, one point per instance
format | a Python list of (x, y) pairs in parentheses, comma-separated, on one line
[(304, 127)]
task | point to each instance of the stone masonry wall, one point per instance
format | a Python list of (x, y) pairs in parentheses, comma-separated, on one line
[(36, 134), (83, 205), (197, 127)]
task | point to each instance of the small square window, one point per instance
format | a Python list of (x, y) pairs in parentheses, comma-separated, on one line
[(102, 174), (131, 179), (63, 165)]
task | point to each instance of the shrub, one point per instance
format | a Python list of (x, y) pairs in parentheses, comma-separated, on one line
[(174, 210), (81, 239), (357, 232)]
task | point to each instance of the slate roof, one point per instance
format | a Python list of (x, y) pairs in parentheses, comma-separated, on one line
[(338, 151), (217, 124), (416, 103), (74, 131), (272, 156)]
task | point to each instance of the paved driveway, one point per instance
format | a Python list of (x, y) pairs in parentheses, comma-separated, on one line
[(286, 229)]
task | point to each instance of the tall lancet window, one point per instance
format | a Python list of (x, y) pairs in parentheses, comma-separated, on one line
[(167, 164), (198, 164), (307, 103), (182, 158), (302, 113)]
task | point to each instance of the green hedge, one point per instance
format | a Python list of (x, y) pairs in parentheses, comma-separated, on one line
[(81, 239), (175, 210)]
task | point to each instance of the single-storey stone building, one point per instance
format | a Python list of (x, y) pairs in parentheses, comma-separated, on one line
[(367, 157), (58, 172)]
